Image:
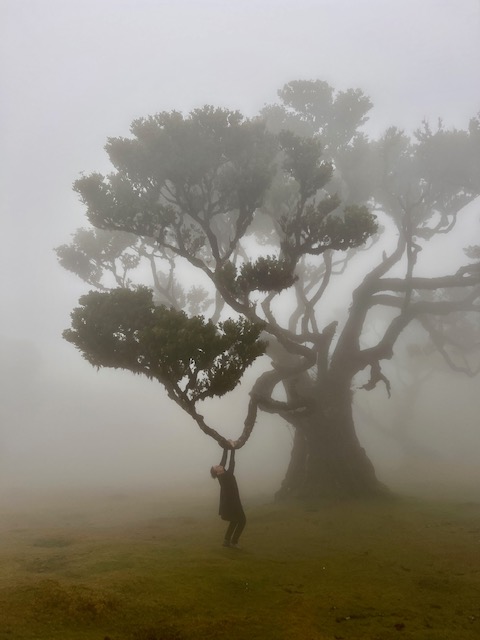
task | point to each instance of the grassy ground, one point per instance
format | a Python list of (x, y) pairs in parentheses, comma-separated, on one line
[(131, 569)]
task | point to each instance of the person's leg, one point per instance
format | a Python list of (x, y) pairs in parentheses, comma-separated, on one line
[(229, 533), (239, 527)]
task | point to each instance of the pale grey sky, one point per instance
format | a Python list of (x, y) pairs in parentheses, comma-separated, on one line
[(76, 71)]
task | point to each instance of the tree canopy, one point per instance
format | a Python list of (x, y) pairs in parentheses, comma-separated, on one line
[(272, 213)]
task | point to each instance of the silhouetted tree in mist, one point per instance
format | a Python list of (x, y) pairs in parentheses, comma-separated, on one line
[(418, 367), (298, 227)]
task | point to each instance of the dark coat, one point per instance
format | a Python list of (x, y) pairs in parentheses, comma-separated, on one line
[(230, 505)]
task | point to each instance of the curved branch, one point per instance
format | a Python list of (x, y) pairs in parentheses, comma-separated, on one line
[(412, 249), (260, 398), (460, 279), (348, 343), (384, 349), (429, 307), (310, 305), (437, 339), (386, 264)]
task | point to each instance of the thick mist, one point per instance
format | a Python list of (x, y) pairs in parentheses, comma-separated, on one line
[(115, 431), (74, 73)]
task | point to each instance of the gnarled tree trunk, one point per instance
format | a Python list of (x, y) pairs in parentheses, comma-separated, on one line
[(327, 459)]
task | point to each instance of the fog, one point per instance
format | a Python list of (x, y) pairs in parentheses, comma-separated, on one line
[(75, 72)]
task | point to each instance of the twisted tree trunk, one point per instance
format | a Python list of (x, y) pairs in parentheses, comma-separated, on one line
[(327, 459)]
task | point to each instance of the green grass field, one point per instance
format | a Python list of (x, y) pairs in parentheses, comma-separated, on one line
[(129, 568)]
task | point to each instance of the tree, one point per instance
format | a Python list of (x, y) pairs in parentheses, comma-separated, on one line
[(274, 214)]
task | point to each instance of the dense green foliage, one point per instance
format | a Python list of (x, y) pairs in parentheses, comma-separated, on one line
[(193, 358)]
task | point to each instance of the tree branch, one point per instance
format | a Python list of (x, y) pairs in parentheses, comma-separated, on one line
[(439, 342), (460, 279)]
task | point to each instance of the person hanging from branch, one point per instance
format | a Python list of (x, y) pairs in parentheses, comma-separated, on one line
[(230, 508)]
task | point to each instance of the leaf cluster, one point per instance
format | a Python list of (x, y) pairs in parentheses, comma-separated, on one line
[(178, 173), (265, 274), (303, 162), (192, 357), (319, 228), (93, 252), (430, 177), (319, 109)]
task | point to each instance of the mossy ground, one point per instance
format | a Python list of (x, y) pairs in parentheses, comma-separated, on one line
[(380, 570)]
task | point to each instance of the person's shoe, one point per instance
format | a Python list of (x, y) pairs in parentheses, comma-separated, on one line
[(226, 543), (235, 545)]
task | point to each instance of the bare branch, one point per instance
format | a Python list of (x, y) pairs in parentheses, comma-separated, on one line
[(439, 341), (460, 279)]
